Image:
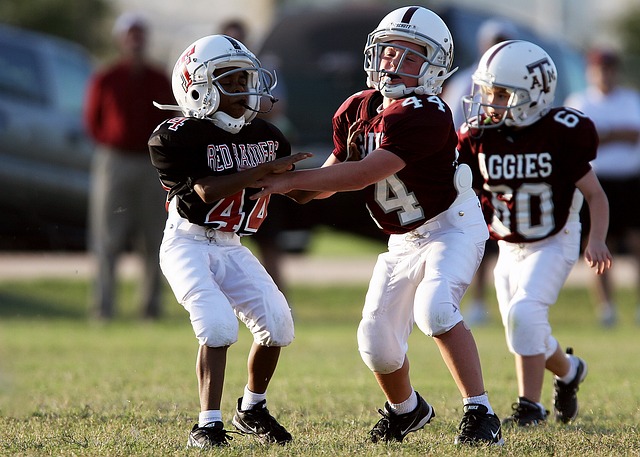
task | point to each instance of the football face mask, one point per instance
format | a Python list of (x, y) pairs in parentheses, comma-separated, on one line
[(491, 106)]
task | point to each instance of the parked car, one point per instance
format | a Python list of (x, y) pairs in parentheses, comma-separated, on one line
[(44, 151)]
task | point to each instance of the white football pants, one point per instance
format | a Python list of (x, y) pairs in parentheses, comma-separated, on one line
[(219, 281), (421, 280), (528, 279)]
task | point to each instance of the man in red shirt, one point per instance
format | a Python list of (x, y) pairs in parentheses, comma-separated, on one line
[(126, 208)]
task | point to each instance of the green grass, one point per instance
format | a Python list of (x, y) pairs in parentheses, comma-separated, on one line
[(69, 386)]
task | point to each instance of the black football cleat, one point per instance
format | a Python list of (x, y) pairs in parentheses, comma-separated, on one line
[(394, 427), (257, 421)]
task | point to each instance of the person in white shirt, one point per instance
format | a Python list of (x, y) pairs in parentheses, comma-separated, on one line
[(615, 110)]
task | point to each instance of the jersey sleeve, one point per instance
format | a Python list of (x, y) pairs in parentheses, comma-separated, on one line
[(169, 148), (344, 116), (581, 143)]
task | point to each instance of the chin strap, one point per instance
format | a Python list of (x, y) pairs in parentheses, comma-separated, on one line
[(228, 123), (420, 90), (427, 88)]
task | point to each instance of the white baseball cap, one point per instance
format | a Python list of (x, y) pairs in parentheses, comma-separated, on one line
[(127, 21), (494, 30)]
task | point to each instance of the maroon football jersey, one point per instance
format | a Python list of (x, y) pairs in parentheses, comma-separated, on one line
[(420, 131), (186, 149), (527, 176)]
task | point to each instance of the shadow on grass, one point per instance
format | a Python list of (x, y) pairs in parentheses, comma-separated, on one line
[(20, 306), (43, 299), (70, 299)]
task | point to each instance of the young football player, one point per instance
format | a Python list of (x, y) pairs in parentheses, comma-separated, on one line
[(206, 160), (397, 141), (531, 165)]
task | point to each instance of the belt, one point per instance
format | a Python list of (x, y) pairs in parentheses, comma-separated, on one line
[(183, 227), (446, 219)]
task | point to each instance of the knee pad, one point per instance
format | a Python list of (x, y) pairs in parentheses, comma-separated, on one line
[(277, 332), (527, 328), (214, 326), (379, 347), (215, 336), (437, 307)]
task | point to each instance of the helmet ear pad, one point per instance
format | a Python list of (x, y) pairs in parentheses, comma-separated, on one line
[(209, 102)]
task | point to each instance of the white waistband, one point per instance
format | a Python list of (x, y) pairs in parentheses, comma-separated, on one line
[(463, 204), (179, 226)]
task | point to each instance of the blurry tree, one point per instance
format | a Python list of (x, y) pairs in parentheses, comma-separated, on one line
[(86, 22), (628, 29)]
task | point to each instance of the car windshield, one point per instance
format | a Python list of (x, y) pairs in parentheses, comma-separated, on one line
[(72, 72), (20, 77)]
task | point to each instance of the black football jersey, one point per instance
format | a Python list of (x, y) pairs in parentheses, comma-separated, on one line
[(527, 176), (184, 150)]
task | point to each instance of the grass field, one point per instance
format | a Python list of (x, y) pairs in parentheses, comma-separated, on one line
[(69, 386)]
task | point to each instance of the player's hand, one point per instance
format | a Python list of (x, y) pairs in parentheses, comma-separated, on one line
[(285, 163), (353, 152), (597, 256), (275, 183)]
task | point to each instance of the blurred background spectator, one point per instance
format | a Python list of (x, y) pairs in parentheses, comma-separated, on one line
[(126, 206), (235, 28), (492, 31), (615, 110)]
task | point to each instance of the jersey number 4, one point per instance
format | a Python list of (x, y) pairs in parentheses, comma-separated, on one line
[(392, 195)]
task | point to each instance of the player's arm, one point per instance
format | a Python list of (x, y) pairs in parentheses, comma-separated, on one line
[(340, 177), (596, 253), (305, 196), (213, 188)]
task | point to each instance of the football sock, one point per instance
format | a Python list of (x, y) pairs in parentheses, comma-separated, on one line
[(573, 369), (249, 399), (207, 418), (479, 400), (406, 406)]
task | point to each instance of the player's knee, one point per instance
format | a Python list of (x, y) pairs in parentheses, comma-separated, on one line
[(217, 337), (437, 308), (440, 321), (213, 329), (280, 336), (527, 330), (271, 324), (521, 317), (382, 354), (381, 362)]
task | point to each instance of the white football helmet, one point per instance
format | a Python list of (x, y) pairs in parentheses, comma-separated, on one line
[(417, 25), (528, 74), (197, 90)]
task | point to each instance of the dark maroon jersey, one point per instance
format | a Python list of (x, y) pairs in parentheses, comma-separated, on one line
[(186, 149), (420, 131), (527, 176)]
